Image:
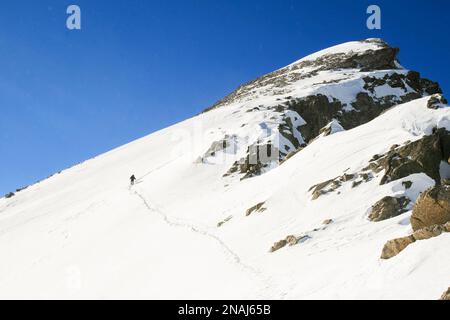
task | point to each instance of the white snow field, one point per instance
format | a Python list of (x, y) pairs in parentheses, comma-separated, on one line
[(86, 234)]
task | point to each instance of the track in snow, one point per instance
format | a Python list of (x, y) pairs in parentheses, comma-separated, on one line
[(234, 256)]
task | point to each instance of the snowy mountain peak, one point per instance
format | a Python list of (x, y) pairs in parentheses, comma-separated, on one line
[(304, 185), (348, 84), (366, 55)]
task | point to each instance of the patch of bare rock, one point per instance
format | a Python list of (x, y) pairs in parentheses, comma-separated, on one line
[(389, 207), (432, 207), (256, 208), (446, 295), (395, 246)]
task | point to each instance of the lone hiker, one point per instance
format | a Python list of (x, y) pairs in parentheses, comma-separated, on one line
[(132, 179)]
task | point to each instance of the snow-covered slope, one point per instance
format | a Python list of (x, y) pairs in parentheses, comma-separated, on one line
[(184, 230)]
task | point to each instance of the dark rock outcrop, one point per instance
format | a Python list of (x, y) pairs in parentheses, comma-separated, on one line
[(446, 295), (9, 195), (290, 240), (388, 207), (436, 101), (424, 155), (432, 207)]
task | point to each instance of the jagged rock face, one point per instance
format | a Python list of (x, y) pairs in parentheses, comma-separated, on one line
[(290, 240), (432, 207), (422, 86), (388, 207), (424, 155)]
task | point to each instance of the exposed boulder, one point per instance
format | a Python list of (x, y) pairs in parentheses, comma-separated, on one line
[(256, 208), (432, 207), (9, 195), (278, 245), (421, 85), (422, 156), (395, 246), (388, 207), (327, 221), (221, 223), (446, 295), (291, 240)]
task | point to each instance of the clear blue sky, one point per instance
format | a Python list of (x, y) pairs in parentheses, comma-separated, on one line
[(140, 65)]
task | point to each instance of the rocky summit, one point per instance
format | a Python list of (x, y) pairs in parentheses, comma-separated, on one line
[(333, 90)]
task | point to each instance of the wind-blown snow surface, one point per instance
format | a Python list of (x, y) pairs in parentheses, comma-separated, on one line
[(84, 233)]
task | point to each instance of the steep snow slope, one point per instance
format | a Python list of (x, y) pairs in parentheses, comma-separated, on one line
[(84, 233)]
